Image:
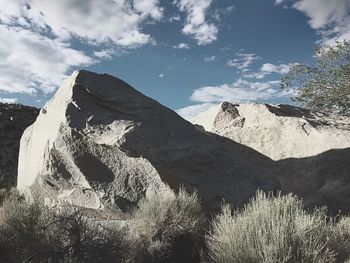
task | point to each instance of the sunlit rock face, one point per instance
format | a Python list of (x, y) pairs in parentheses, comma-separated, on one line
[(311, 149), (277, 131), (100, 143)]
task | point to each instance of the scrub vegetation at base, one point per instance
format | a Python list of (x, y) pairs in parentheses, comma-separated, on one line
[(171, 227)]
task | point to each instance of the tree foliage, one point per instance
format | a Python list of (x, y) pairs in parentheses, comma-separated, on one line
[(324, 86)]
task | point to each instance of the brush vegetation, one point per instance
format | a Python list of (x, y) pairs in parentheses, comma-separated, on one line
[(166, 227), (169, 227), (277, 229)]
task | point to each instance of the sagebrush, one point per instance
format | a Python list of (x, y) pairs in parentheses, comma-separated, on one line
[(277, 229), (32, 232), (168, 227)]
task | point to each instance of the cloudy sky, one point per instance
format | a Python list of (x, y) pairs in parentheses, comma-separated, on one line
[(187, 54)]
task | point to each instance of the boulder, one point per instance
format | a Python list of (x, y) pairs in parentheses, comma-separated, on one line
[(311, 149), (100, 143), (14, 119)]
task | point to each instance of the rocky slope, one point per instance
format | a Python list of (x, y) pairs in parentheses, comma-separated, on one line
[(98, 142), (311, 149), (14, 118)]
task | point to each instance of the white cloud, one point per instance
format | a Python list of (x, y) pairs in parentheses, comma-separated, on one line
[(30, 61), (161, 75), (254, 75), (272, 68), (230, 8), (267, 69), (8, 100), (196, 25), (190, 112), (182, 46), (209, 59), (242, 60), (35, 50), (104, 54), (99, 21), (331, 18), (278, 2), (241, 91), (174, 18)]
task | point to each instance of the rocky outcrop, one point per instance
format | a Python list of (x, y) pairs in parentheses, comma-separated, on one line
[(14, 118), (277, 131), (311, 149), (98, 142)]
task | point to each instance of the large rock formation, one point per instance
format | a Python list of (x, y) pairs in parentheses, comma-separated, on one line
[(14, 119), (98, 142), (311, 149)]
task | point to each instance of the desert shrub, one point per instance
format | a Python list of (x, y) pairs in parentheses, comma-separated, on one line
[(23, 222), (167, 227), (86, 241), (6, 193), (6, 245), (275, 229), (7, 179), (32, 232), (3, 194), (340, 239)]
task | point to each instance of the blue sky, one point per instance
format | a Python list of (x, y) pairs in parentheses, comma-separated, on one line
[(187, 54)]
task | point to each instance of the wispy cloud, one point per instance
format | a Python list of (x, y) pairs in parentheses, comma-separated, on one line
[(331, 19), (104, 54), (196, 24), (272, 68), (182, 46), (36, 36), (175, 17), (30, 61), (192, 111), (240, 91), (267, 69), (98, 21), (209, 59), (8, 100), (278, 2), (242, 60)]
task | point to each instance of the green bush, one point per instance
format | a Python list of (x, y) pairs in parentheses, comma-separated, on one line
[(167, 227), (277, 229)]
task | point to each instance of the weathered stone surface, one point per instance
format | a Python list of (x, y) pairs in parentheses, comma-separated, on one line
[(98, 142), (14, 119), (311, 149)]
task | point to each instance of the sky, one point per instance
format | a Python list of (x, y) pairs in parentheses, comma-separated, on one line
[(186, 54)]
